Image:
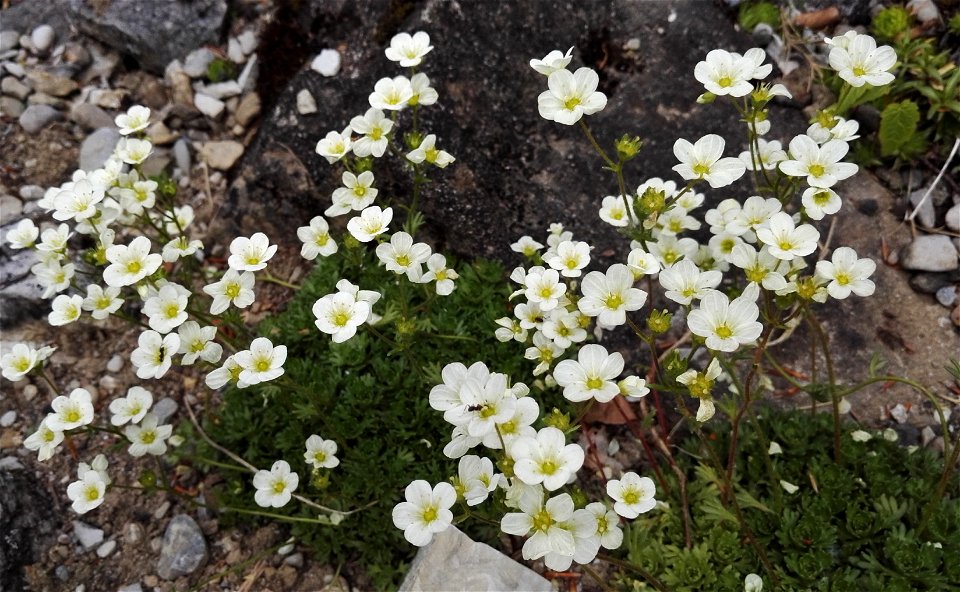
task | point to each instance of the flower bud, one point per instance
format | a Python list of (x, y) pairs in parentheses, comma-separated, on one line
[(413, 140), (659, 321), (706, 98), (628, 146), (558, 420), (652, 201)]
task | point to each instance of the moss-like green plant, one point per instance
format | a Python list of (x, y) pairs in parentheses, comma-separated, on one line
[(890, 23), (751, 14), (220, 70)]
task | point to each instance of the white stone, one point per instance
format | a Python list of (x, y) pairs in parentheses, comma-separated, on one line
[(220, 90), (932, 252), (115, 364), (327, 63), (107, 548), (221, 155), (14, 69), (235, 51), (9, 40), (209, 106), (248, 42), (7, 419), (42, 38), (306, 104), (248, 77), (454, 562), (196, 62), (89, 536), (953, 218)]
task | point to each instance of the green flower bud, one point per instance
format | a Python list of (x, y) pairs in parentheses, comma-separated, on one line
[(659, 321), (706, 98), (652, 201), (628, 146), (558, 420), (413, 140), (148, 479)]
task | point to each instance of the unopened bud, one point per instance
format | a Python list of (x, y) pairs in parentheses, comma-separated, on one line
[(659, 321), (706, 98), (628, 146)]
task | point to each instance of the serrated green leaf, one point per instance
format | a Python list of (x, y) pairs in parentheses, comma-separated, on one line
[(898, 124)]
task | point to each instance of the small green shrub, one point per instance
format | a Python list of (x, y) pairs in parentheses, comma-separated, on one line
[(850, 526), (220, 70), (752, 14), (890, 23)]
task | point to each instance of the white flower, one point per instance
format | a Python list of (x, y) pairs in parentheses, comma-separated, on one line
[(544, 350), (831, 127), (71, 412), (371, 222), (154, 354), (602, 523), (703, 161), (526, 245), (132, 408), (423, 93), (818, 202), (726, 325), (786, 241), (862, 62), (356, 194), (321, 453), (53, 276), (446, 396), (684, 282), (316, 239), (563, 327), (402, 255), (571, 96), (373, 128), (545, 520), (339, 315), (847, 273), (592, 375), (233, 288), (788, 487), (752, 583), (437, 271), (167, 310), (178, 247), (179, 220), (475, 479), (66, 309), (427, 151), (616, 211), (642, 263), (44, 440), (610, 296), (425, 512), (262, 362), (484, 403), (79, 202), (725, 73), (276, 486), (130, 263), (633, 494), (766, 157), (21, 360), (335, 145), (819, 164), (543, 287), (519, 425), (148, 437), (391, 94), (87, 493), (569, 258), (197, 342), (23, 235), (228, 372), (135, 119), (633, 388), (133, 151), (759, 267), (409, 49), (700, 385), (371, 297), (250, 254), (546, 459), (553, 61), (55, 239)]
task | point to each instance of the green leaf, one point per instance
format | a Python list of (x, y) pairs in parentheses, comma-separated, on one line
[(898, 124)]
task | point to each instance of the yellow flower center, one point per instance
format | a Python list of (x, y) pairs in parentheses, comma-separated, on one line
[(403, 260), (571, 103), (134, 267), (72, 416), (91, 493), (542, 520), (631, 497), (725, 81), (279, 486), (341, 319), (172, 311), (148, 437), (701, 169), (430, 514), (594, 383), (859, 71), (614, 301), (842, 279), (232, 290), (262, 365), (724, 332), (816, 170)]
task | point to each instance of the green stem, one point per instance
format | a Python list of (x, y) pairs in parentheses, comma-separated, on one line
[(831, 377), (279, 282)]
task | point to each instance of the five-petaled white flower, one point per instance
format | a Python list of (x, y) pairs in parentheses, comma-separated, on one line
[(233, 288), (44, 441), (87, 493), (133, 151), (633, 494), (546, 459), (23, 235), (847, 273), (357, 193), (335, 145), (475, 479), (373, 128), (148, 437), (553, 61), (546, 520), (66, 309), (543, 287), (371, 222), (787, 241), (321, 453), (571, 96), (130, 263), (135, 119), (250, 254), (154, 354), (592, 375), (340, 314), (437, 271), (276, 486), (409, 49), (197, 342), (391, 94), (316, 239), (818, 202), (725, 73), (703, 161), (425, 512), (167, 310), (684, 282), (21, 360), (71, 412), (568, 257), (862, 62), (609, 296), (262, 362), (427, 151), (819, 164), (131, 408), (726, 325), (102, 302), (401, 255)]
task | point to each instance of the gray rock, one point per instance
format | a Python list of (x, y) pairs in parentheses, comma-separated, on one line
[(11, 463), (197, 61), (932, 252), (235, 51), (134, 587), (164, 409), (15, 69), (952, 218), (36, 117), (947, 296), (20, 292), (62, 572), (248, 77), (108, 98), (76, 55), (133, 533), (98, 147), (452, 561), (39, 98), (11, 107), (295, 560), (925, 215), (90, 117), (115, 364), (221, 155), (155, 33), (7, 419), (10, 207), (106, 549), (181, 155), (31, 192), (209, 106), (9, 40), (306, 104), (87, 535), (489, 115), (12, 87), (28, 520), (184, 548), (220, 90), (248, 42), (42, 38)]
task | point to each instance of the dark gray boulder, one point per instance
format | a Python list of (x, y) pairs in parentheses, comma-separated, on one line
[(515, 172), (27, 520)]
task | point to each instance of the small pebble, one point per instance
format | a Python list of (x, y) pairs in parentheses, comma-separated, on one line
[(134, 587), (162, 510), (106, 549), (62, 573), (209, 106), (7, 419), (248, 42), (42, 38), (327, 63), (235, 51), (115, 364), (36, 117), (932, 252), (11, 463), (30, 392), (88, 536), (952, 218), (306, 104), (296, 560), (9, 40), (196, 63), (133, 533), (31, 192), (164, 409), (946, 296), (927, 435)]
